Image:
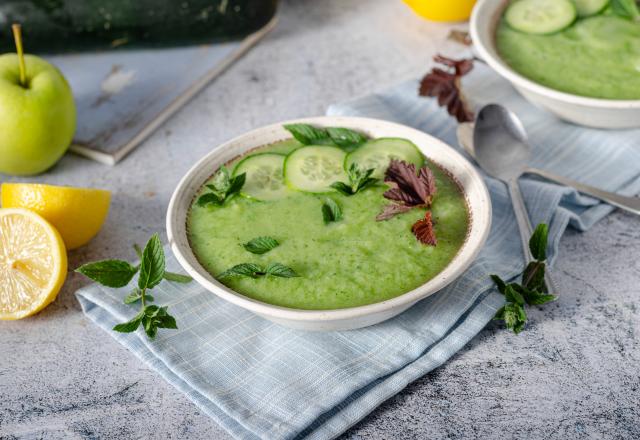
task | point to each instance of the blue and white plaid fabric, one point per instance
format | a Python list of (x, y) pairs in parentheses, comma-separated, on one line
[(260, 380)]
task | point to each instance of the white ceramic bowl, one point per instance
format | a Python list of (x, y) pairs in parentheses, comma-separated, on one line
[(340, 319), (591, 112)]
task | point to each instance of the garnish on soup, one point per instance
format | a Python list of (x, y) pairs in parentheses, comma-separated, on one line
[(359, 179), (346, 257), (223, 187)]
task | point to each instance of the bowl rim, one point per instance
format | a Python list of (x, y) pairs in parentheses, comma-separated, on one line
[(480, 225), (480, 15)]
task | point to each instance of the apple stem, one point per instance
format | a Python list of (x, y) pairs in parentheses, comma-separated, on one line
[(17, 36)]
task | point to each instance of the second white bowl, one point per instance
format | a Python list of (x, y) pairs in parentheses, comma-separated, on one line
[(591, 112), (470, 180)]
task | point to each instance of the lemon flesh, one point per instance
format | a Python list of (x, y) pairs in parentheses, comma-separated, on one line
[(77, 213), (33, 263)]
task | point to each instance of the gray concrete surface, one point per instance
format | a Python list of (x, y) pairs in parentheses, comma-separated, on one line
[(574, 373)]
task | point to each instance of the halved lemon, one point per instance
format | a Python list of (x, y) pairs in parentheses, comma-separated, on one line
[(77, 213), (33, 263)]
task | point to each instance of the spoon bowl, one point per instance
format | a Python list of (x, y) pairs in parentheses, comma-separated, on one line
[(500, 143)]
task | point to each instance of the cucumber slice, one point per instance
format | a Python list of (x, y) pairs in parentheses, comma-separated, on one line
[(540, 16), (264, 176), (314, 168), (586, 8), (378, 153)]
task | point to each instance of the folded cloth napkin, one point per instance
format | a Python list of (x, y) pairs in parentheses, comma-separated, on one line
[(260, 380)]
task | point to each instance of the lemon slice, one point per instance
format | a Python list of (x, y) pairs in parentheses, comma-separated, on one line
[(77, 213), (33, 263)]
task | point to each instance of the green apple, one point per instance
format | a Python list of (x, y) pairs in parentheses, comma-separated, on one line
[(37, 119)]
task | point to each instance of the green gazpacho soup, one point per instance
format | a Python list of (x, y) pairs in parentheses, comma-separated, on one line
[(596, 55), (341, 259)]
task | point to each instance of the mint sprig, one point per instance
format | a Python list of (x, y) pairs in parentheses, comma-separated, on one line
[(261, 245), (533, 289), (253, 270), (359, 179), (223, 187), (339, 136), (118, 273)]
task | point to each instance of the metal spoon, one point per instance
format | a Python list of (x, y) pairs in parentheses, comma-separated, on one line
[(630, 204), (501, 149)]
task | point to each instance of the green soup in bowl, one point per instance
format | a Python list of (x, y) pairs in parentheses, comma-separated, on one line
[(350, 262), (596, 56)]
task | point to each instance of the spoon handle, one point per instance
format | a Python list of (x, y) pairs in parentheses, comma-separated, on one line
[(631, 204), (524, 225)]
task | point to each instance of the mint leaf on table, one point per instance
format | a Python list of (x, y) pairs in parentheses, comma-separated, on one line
[(110, 273), (177, 277), (538, 242), (256, 271), (223, 187), (342, 137), (626, 9), (261, 245), (359, 179), (130, 326), (169, 276), (532, 291), (331, 212), (117, 273), (152, 265)]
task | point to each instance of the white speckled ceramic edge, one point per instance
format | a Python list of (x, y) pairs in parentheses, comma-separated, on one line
[(591, 112), (340, 319)]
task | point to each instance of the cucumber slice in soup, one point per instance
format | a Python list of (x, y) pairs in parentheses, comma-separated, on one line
[(540, 16), (378, 153), (585, 8), (314, 168), (264, 179)]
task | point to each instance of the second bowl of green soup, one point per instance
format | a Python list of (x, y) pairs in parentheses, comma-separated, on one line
[(580, 59), (329, 223)]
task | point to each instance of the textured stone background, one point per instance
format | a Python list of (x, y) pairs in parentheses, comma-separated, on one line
[(574, 373)]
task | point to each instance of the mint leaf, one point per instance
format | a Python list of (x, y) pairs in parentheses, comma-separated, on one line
[(514, 317), (342, 187), (533, 297), (209, 199), (331, 212), (110, 273), (626, 9), (307, 134), (237, 182), (177, 277), (280, 270), (244, 269), (533, 276), (130, 326), (339, 136), (261, 245), (538, 242), (499, 283), (512, 295), (152, 265), (345, 137)]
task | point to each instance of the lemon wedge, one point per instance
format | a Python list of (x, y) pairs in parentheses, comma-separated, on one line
[(77, 213), (33, 263)]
